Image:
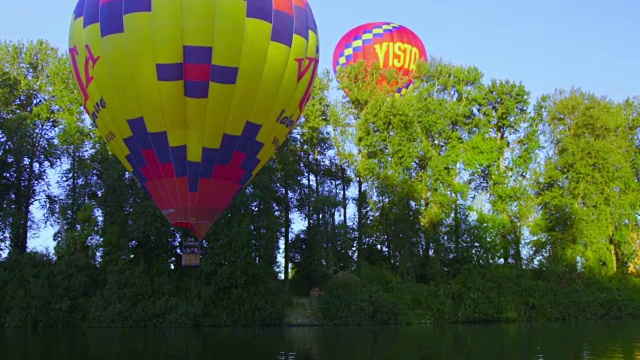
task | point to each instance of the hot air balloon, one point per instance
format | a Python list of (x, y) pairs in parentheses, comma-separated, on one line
[(194, 96), (391, 45)]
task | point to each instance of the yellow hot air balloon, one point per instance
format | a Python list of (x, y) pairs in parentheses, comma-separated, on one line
[(194, 96)]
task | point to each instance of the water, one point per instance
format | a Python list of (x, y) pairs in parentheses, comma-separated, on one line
[(598, 340)]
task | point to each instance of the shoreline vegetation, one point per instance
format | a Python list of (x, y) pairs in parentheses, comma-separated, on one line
[(466, 200), (40, 293)]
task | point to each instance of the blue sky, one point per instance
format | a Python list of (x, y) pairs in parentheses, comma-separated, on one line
[(545, 44)]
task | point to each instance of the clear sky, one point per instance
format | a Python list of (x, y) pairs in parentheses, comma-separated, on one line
[(545, 44)]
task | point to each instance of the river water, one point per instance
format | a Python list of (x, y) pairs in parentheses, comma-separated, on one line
[(563, 341)]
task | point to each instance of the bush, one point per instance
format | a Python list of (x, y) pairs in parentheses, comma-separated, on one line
[(373, 296), (499, 294), (37, 292), (73, 292)]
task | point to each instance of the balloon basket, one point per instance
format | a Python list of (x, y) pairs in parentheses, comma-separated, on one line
[(191, 255), (190, 260)]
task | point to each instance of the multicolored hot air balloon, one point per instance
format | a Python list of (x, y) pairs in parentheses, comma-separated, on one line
[(194, 96), (391, 45)]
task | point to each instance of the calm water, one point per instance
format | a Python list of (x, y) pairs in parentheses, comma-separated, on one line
[(609, 340)]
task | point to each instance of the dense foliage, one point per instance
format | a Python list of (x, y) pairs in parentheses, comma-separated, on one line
[(465, 200)]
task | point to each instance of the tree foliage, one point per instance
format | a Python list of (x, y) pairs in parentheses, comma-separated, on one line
[(464, 200)]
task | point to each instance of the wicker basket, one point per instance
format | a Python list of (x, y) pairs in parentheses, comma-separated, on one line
[(191, 260)]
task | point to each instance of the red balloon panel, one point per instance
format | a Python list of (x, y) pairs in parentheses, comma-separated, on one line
[(391, 45)]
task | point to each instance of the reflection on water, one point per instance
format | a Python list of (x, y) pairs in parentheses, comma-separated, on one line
[(601, 340), (289, 356)]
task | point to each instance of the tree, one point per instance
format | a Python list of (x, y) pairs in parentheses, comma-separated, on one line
[(588, 193), (500, 161), (29, 128), (314, 247), (73, 209), (289, 175), (8, 89)]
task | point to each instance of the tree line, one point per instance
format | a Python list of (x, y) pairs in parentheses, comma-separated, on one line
[(464, 200)]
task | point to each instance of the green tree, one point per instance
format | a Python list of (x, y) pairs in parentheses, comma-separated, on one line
[(289, 175), (29, 128), (411, 152), (314, 247), (588, 192), (8, 89), (73, 209), (500, 160), (112, 185)]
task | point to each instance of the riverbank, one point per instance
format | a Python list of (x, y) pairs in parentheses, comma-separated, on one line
[(37, 292), (377, 297)]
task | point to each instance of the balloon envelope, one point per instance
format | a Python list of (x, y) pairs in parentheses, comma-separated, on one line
[(194, 96), (391, 45)]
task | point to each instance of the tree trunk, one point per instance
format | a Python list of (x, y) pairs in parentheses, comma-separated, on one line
[(23, 197), (308, 192), (344, 199), (287, 224), (360, 210), (457, 231)]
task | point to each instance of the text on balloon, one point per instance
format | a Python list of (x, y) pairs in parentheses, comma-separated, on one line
[(397, 54)]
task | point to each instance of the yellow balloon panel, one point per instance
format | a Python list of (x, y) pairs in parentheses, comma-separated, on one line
[(194, 96)]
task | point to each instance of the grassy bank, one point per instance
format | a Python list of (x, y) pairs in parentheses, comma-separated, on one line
[(376, 296), (37, 292)]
